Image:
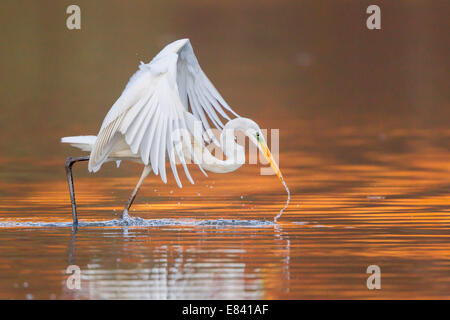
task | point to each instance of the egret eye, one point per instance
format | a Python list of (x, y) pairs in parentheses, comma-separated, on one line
[(257, 136)]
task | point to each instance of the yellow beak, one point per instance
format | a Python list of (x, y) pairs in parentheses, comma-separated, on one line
[(265, 150)]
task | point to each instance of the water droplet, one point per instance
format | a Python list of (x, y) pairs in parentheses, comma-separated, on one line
[(287, 202), (376, 197)]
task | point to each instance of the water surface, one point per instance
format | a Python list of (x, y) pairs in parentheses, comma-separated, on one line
[(391, 211)]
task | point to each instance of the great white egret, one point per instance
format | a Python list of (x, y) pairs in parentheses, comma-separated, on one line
[(153, 109)]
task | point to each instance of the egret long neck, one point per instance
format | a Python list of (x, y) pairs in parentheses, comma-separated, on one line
[(234, 153)]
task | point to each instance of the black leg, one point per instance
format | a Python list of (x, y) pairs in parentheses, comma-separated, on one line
[(69, 163), (71, 247)]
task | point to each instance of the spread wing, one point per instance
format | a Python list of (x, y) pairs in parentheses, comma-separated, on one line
[(154, 105), (197, 91)]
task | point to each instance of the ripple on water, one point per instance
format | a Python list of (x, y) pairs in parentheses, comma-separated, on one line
[(140, 222)]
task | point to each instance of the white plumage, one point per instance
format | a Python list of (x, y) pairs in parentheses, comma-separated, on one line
[(153, 104), (164, 98)]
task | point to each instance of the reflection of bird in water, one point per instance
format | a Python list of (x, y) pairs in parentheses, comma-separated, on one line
[(203, 269), (167, 107), (154, 270)]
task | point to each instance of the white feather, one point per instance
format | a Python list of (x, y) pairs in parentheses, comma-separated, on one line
[(154, 104)]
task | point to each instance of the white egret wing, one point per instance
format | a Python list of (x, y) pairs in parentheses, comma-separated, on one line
[(145, 116), (197, 91), (154, 104)]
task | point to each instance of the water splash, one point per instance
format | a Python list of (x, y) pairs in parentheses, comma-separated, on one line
[(140, 222), (287, 202)]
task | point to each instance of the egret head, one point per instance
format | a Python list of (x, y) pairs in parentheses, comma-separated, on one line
[(255, 135)]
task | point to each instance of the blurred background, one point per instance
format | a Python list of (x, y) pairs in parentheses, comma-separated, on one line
[(305, 66)]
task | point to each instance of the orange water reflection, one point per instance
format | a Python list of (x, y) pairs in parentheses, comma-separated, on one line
[(342, 218)]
